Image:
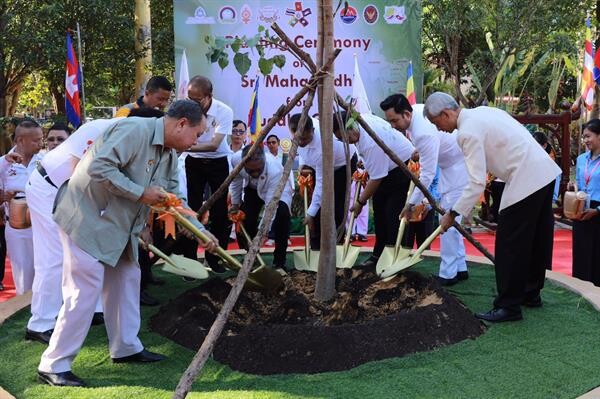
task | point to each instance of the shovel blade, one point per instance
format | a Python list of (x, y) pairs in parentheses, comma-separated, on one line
[(389, 258), (399, 266), (347, 261), (267, 279), (186, 267), (310, 265)]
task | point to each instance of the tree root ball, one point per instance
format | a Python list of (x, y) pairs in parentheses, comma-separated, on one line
[(290, 332)]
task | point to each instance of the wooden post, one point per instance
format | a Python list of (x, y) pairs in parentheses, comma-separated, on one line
[(143, 45)]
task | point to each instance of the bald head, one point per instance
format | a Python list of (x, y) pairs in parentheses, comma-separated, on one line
[(28, 138), (200, 90)]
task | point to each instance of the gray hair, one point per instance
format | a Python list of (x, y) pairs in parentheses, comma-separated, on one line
[(437, 102), (258, 155), (188, 109)]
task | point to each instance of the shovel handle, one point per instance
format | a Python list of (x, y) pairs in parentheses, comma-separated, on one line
[(306, 228), (403, 222), (352, 219), (248, 240), (427, 242), (157, 252)]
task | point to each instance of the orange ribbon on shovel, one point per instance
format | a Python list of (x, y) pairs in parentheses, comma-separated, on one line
[(167, 217), (237, 218), (361, 177), (305, 182)]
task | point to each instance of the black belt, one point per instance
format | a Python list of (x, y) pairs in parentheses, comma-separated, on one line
[(44, 174)]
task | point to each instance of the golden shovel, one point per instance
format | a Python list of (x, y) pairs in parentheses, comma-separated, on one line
[(306, 259), (392, 255), (180, 265), (249, 240), (415, 258), (347, 254)]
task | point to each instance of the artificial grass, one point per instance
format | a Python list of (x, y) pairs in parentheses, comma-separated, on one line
[(553, 353)]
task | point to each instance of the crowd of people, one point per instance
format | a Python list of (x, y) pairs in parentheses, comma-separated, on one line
[(77, 211)]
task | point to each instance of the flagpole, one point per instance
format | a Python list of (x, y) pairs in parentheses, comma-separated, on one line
[(83, 120)]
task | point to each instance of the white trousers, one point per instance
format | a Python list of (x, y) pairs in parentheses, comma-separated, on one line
[(361, 223), (452, 245), (84, 279), (19, 249), (47, 255)]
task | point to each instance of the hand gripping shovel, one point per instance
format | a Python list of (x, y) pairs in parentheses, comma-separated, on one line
[(347, 254), (415, 258), (179, 265), (306, 259), (392, 255)]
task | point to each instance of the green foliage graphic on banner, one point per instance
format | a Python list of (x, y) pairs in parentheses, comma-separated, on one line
[(384, 35)]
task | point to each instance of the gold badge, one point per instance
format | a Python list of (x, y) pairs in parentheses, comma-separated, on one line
[(286, 145)]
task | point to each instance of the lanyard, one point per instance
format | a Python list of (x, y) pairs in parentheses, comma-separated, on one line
[(588, 176)]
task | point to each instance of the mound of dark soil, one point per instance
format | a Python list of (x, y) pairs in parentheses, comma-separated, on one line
[(289, 332)]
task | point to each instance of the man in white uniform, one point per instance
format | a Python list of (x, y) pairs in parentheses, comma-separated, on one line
[(435, 149), (493, 141), (53, 170), (15, 169), (258, 180), (388, 185)]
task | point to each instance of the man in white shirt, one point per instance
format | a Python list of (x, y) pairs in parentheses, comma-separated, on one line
[(258, 180), (388, 185), (493, 141), (207, 162), (310, 155), (15, 169), (435, 149)]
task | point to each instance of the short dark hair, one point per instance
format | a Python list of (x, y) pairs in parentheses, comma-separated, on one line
[(542, 140), (203, 83), (274, 136), (145, 112), (397, 101), (28, 124), (238, 121), (295, 119), (343, 115), (158, 82), (186, 109), (258, 155), (60, 126), (593, 126)]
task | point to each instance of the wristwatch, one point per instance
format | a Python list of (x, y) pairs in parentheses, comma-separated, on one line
[(453, 213)]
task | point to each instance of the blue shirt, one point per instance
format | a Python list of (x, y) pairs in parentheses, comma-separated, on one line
[(593, 187)]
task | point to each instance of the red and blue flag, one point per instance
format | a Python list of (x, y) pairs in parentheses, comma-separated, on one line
[(72, 81)]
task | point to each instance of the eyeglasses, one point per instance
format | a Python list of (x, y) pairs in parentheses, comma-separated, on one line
[(53, 139), (271, 142), (238, 132)]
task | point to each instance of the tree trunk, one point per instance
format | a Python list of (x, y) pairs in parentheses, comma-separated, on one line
[(143, 45), (13, 99), (59, 99), (325, 284)]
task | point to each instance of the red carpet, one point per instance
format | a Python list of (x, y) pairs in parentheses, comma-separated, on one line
[(561, 256)]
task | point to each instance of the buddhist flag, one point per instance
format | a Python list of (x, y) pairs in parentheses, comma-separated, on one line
[(359, 94), (410, 85), (72, 80), (254, 121), (587, 79), (184, 78)]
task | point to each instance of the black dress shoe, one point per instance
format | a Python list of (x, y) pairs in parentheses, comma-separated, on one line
[(362, 238), (1, 287), (141, 357), (446, 282), (461, 276), (533, 302), (64, 379), (147, 299), (42, 337), (98, 319), (500, 314)]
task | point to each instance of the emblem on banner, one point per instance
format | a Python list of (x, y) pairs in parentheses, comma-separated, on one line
[(268, 14), (298, 14), (394, 15), (286, 145), (227, 15), (246, 14), (200, 18), (371, 14), (348, 15)]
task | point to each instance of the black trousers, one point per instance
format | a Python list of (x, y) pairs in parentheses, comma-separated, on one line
[(252, 206), (496, 189), (2, 253), (586, 248), (419, 231), (200, 172), (524, 240), (388, 201), (145, 267), (339, 191)]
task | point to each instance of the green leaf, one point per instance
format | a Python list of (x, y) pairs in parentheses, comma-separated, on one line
[(474, 76), (490, 43), (279, 60), (350, 122), (223, 61), (265, 65), (236, 45), (261, 51), (214, 56), (261, 28), (242, 63), (253, 41), (220, 42)]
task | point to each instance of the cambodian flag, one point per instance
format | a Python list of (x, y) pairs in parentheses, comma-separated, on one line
[(254, 121), (410, 85), (587, 78), (72, 86)]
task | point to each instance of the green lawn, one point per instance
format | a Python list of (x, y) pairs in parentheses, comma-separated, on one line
[(553, 353)]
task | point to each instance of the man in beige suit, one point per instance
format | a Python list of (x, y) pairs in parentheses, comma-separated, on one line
[(100, 213), (493, 141)]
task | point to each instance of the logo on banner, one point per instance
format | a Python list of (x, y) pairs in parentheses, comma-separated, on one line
[(268, 14), (200, 18), (298, 14), (371, 14), (227, 15), (394, 14), (348, 15), (246, 14)]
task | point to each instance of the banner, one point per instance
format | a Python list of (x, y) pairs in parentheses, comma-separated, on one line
[(385, 35)]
